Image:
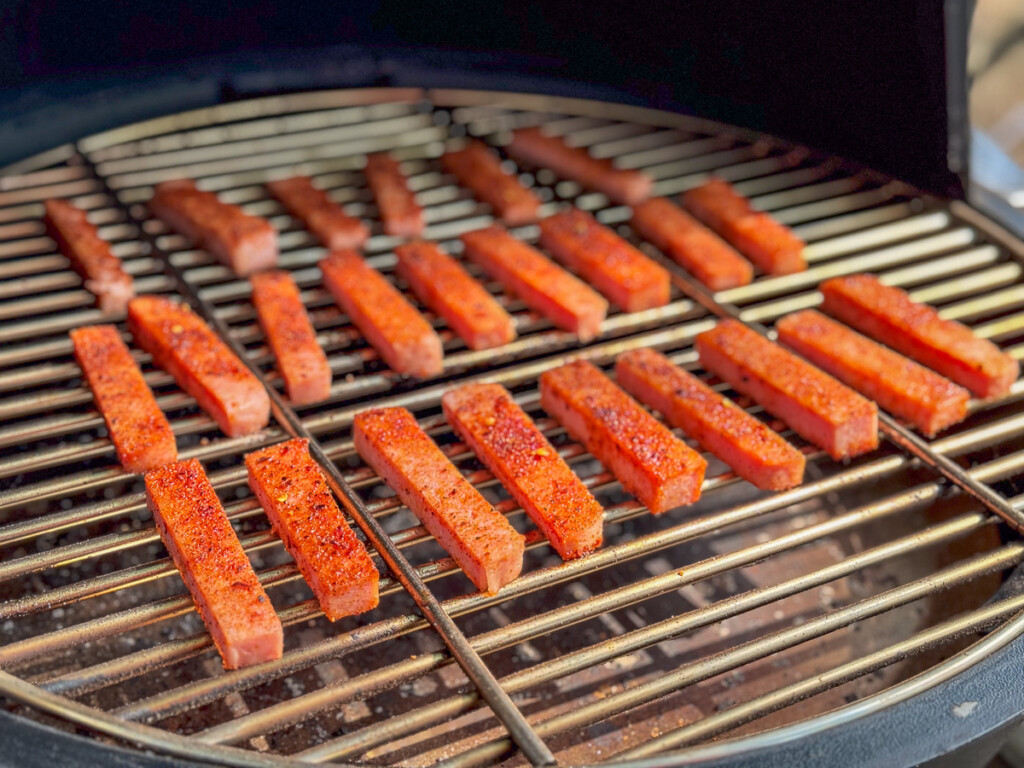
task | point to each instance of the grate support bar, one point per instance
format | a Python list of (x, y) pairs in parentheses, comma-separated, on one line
[(980, 492)]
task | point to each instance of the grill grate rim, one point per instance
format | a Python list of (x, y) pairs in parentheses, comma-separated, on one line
[(816, 205)]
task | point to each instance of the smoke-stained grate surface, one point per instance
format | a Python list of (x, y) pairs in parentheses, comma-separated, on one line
[(745, 612)]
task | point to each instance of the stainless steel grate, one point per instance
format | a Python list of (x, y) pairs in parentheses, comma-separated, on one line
[(682, 628)]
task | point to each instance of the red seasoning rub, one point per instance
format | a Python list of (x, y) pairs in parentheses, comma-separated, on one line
[(401, 214), (508, 442), (654, 465), (444, 286), (479, 169), (138, 428), (213, 565), (292, 490), (754, 451), (290, 334), (815, 405), (203, 365), (618, 270), (392, 325), (770, 245), (244, 243), (543, 285), (322, 216), (532, 146), (481, 540), (901, 386), (692, 245), (90, 255), (891, 316)]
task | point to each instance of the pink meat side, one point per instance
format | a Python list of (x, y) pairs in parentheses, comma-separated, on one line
[(138, 428), (90, 255), (816, 406), (622, 186), (392, 326), (293, 491), (290, 334), (898, 384), (890, 316), (545, 287), (485, 545), (747, 445), (650, 462), (244, 243), (507, 441), (442, 284), (226, 592), (184, 346)]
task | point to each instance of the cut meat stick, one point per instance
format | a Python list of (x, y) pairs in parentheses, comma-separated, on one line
[(213, 565), (816, 406), (889, 315), (654, 465), (481, 540), (747, 445), (444, 286), (244, 243), (290, 334), (401, 214), (622, 273), (543, 285), (138, 428), (477, 168), (90, 256), (509, 444), (901, 386), (692, 245), (622, 186), (322, 216), (291, 488), (392, 325), (203, 365), (770, 245)]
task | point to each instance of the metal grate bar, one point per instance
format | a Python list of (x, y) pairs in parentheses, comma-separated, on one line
[(980, 492), (17, 499), (132, 618), (332, 420), (113, 543)]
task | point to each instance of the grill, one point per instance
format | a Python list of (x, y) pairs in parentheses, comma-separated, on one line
[(737, 620)]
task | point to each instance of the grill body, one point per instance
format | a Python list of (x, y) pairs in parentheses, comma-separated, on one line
[(855, 220)]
